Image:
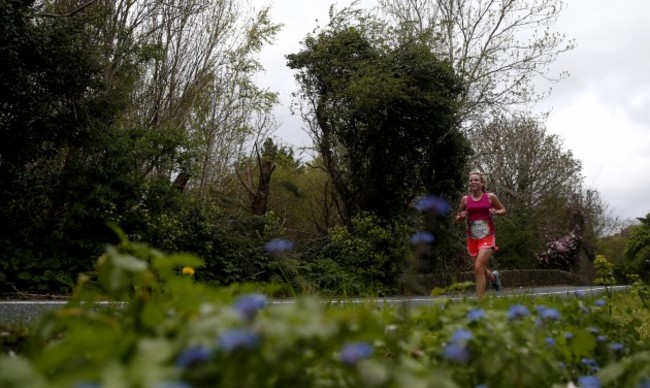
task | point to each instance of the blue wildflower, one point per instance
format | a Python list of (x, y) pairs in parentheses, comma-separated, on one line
[(238, 338), (602, 338), (579, 293), (589, 382), (550, 341), (421, 237), (353, 352), (645, 383), (279, 245), (248, 305), (455, 353), (517, 311), (592, 330), (433, 204), (475, 315), (590, 362), (192, 356), (481, 386), (616, 347), (550, 314), (461, 336), (600, 302)]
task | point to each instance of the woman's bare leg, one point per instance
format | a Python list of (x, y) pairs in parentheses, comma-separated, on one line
[(481, 273)]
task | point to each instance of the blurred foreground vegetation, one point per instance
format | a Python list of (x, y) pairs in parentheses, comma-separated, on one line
[(161, 327)]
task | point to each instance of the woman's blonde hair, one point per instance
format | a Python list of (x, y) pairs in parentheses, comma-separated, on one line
[(482, 178)]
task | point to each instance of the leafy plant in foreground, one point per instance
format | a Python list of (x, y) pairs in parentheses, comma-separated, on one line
[(142, 320)]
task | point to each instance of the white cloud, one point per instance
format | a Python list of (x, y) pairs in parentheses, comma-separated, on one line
[(603, 110), (613, 149)]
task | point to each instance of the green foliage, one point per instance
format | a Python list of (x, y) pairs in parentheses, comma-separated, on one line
[(231, 244), (518, 239), (604, 271), (325, 276), (641, 290), (383, 108), (458, 288), (138, 321), (302, 194), (56, 148), (613, 247), (637, 251), (71, 161), (369, 256), (23, 269)]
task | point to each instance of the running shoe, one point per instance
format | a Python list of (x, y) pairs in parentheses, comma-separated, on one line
[(496, 283)]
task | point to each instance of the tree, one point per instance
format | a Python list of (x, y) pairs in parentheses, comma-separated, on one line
[(637, 251), (259, 190), (526, 165), (55, 119), (105, 102), (612, 246), (496, 47), (382, 112), (303, 198), (194, 95), (537, 180)]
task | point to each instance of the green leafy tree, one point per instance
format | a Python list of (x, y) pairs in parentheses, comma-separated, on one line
[(637, 251), (55, 122), (99, 122), (382, 114)]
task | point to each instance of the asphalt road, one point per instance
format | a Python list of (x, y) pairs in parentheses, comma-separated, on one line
[(20, 311)]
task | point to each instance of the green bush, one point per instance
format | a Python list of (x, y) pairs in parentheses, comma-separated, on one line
[(26, 270), (637, 251), (369, 256), (325, 276)]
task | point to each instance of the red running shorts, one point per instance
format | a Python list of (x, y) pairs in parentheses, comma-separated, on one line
[(474, 245)]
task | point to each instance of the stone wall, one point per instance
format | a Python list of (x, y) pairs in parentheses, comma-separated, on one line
[(509, 278)]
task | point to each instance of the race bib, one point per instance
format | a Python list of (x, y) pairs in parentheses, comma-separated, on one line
[(479, 229)]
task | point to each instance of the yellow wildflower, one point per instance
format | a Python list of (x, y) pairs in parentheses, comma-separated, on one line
[(188, 271)]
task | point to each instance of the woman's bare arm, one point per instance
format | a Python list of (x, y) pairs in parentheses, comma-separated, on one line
[(497, 207), (462, 213)]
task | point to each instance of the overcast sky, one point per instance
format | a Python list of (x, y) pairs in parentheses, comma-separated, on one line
[(602, 111)]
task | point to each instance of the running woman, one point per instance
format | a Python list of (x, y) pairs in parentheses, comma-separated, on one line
[(477, 209)]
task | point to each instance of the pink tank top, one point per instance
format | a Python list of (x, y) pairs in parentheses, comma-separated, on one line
[(479, 219)]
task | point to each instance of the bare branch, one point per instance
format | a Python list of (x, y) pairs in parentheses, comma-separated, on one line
[(69, 14)]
